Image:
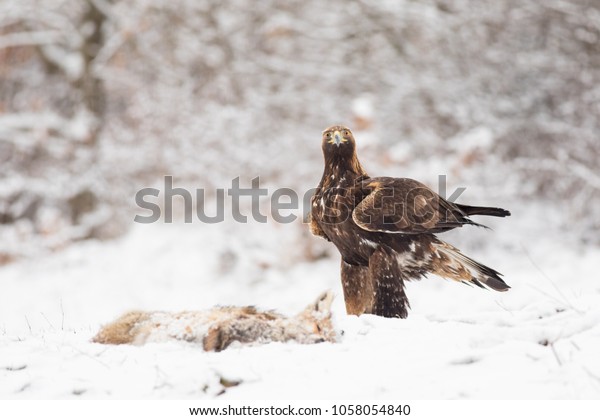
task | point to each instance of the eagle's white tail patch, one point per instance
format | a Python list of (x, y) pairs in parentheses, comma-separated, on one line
[(448, 262)]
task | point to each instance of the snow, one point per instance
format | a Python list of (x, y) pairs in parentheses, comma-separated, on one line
[(539, 340), (500, 97)]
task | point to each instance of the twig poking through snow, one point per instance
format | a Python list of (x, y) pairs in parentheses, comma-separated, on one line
[(62, 320), (555, 354), (28, 325), (537, 267), (48, 321), (91, 357)]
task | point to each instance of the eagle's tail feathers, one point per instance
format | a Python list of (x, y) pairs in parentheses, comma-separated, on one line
[(483, 211), (449, 262)]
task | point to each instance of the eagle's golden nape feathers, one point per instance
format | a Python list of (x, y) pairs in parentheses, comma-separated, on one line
[(380, 246)]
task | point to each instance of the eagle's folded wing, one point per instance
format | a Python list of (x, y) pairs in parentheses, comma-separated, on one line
[(402, 205)]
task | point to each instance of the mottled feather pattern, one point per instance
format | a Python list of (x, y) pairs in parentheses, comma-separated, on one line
[(384, 229), (389, 297)]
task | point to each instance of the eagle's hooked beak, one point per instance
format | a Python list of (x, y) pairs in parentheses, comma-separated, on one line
[(337, 137)]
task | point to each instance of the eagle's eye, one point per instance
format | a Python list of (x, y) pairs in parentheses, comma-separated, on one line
[(346, 133), (328, 135)]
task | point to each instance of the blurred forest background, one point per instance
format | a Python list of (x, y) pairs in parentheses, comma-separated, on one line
[(99, 98)]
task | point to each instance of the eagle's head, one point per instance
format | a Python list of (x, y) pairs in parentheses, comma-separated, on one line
[(338, 141), (339, 150)]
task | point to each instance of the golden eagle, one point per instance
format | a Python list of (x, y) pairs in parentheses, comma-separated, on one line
[(385, 231)]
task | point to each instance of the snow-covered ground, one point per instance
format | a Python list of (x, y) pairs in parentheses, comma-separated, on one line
[(501, 97), (539, 340)]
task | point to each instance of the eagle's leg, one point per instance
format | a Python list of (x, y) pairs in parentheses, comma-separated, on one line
[(390, 300), (358, 289)]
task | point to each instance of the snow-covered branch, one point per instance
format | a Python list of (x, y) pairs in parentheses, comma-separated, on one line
[(28, 38)]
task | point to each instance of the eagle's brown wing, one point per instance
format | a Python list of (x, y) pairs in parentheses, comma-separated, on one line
[(403, 205)]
